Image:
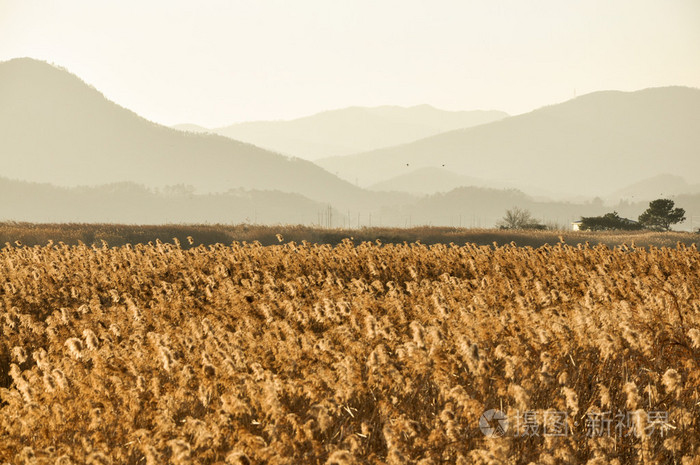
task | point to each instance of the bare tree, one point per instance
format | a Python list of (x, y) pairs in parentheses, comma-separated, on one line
[(517, 218)]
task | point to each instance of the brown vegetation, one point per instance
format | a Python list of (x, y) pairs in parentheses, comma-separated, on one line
[(313, 354), (209, 234)]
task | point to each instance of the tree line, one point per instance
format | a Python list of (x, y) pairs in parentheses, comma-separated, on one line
[(660, 216)]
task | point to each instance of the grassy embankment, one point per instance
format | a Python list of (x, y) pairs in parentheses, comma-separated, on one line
[(31, 234)]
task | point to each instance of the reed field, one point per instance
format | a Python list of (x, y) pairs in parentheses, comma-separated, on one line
[(354, 353), (208, 234)]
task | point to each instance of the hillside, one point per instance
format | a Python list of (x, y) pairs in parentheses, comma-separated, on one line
[(351, 130), (191, 128), (432, 180), (663, 185), (485, 207), (591, 145), (55, 128), (134, 204), (427, 180)]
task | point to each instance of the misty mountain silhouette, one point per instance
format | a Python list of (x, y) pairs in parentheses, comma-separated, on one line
[(592, 144), (350, 130), (663, 185), (484, 207), (428, 180), (432, 180), (135, 204), (55, 128)]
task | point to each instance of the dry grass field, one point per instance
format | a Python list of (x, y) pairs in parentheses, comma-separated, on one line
[(349, 354), (208, 234)]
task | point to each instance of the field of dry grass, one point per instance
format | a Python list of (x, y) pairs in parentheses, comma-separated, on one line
[(348, 354), (120, 234)]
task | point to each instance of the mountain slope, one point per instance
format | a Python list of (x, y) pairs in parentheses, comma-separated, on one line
[(427, 180), (191, 128), (432, 180), (55, 128), (354, 129), (134, 204), (663, 185), (592, 144)]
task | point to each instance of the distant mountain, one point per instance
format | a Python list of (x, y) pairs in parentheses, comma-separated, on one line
[(432, 180), (134, 204), (661, 186), (485, 207), (351, 130), (55, 128), (428, 180), (590, 145)]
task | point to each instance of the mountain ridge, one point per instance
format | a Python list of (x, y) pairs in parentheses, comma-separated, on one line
[(56, 128), (597, 142), (659, 186), (349, 130)]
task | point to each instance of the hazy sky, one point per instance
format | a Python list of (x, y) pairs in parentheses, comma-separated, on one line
[(219, 62)]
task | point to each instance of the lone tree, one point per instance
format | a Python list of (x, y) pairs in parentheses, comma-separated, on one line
[(517, 218), (661, 215)]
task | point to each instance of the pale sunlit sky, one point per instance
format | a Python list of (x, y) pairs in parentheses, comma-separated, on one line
[(218, 62)]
